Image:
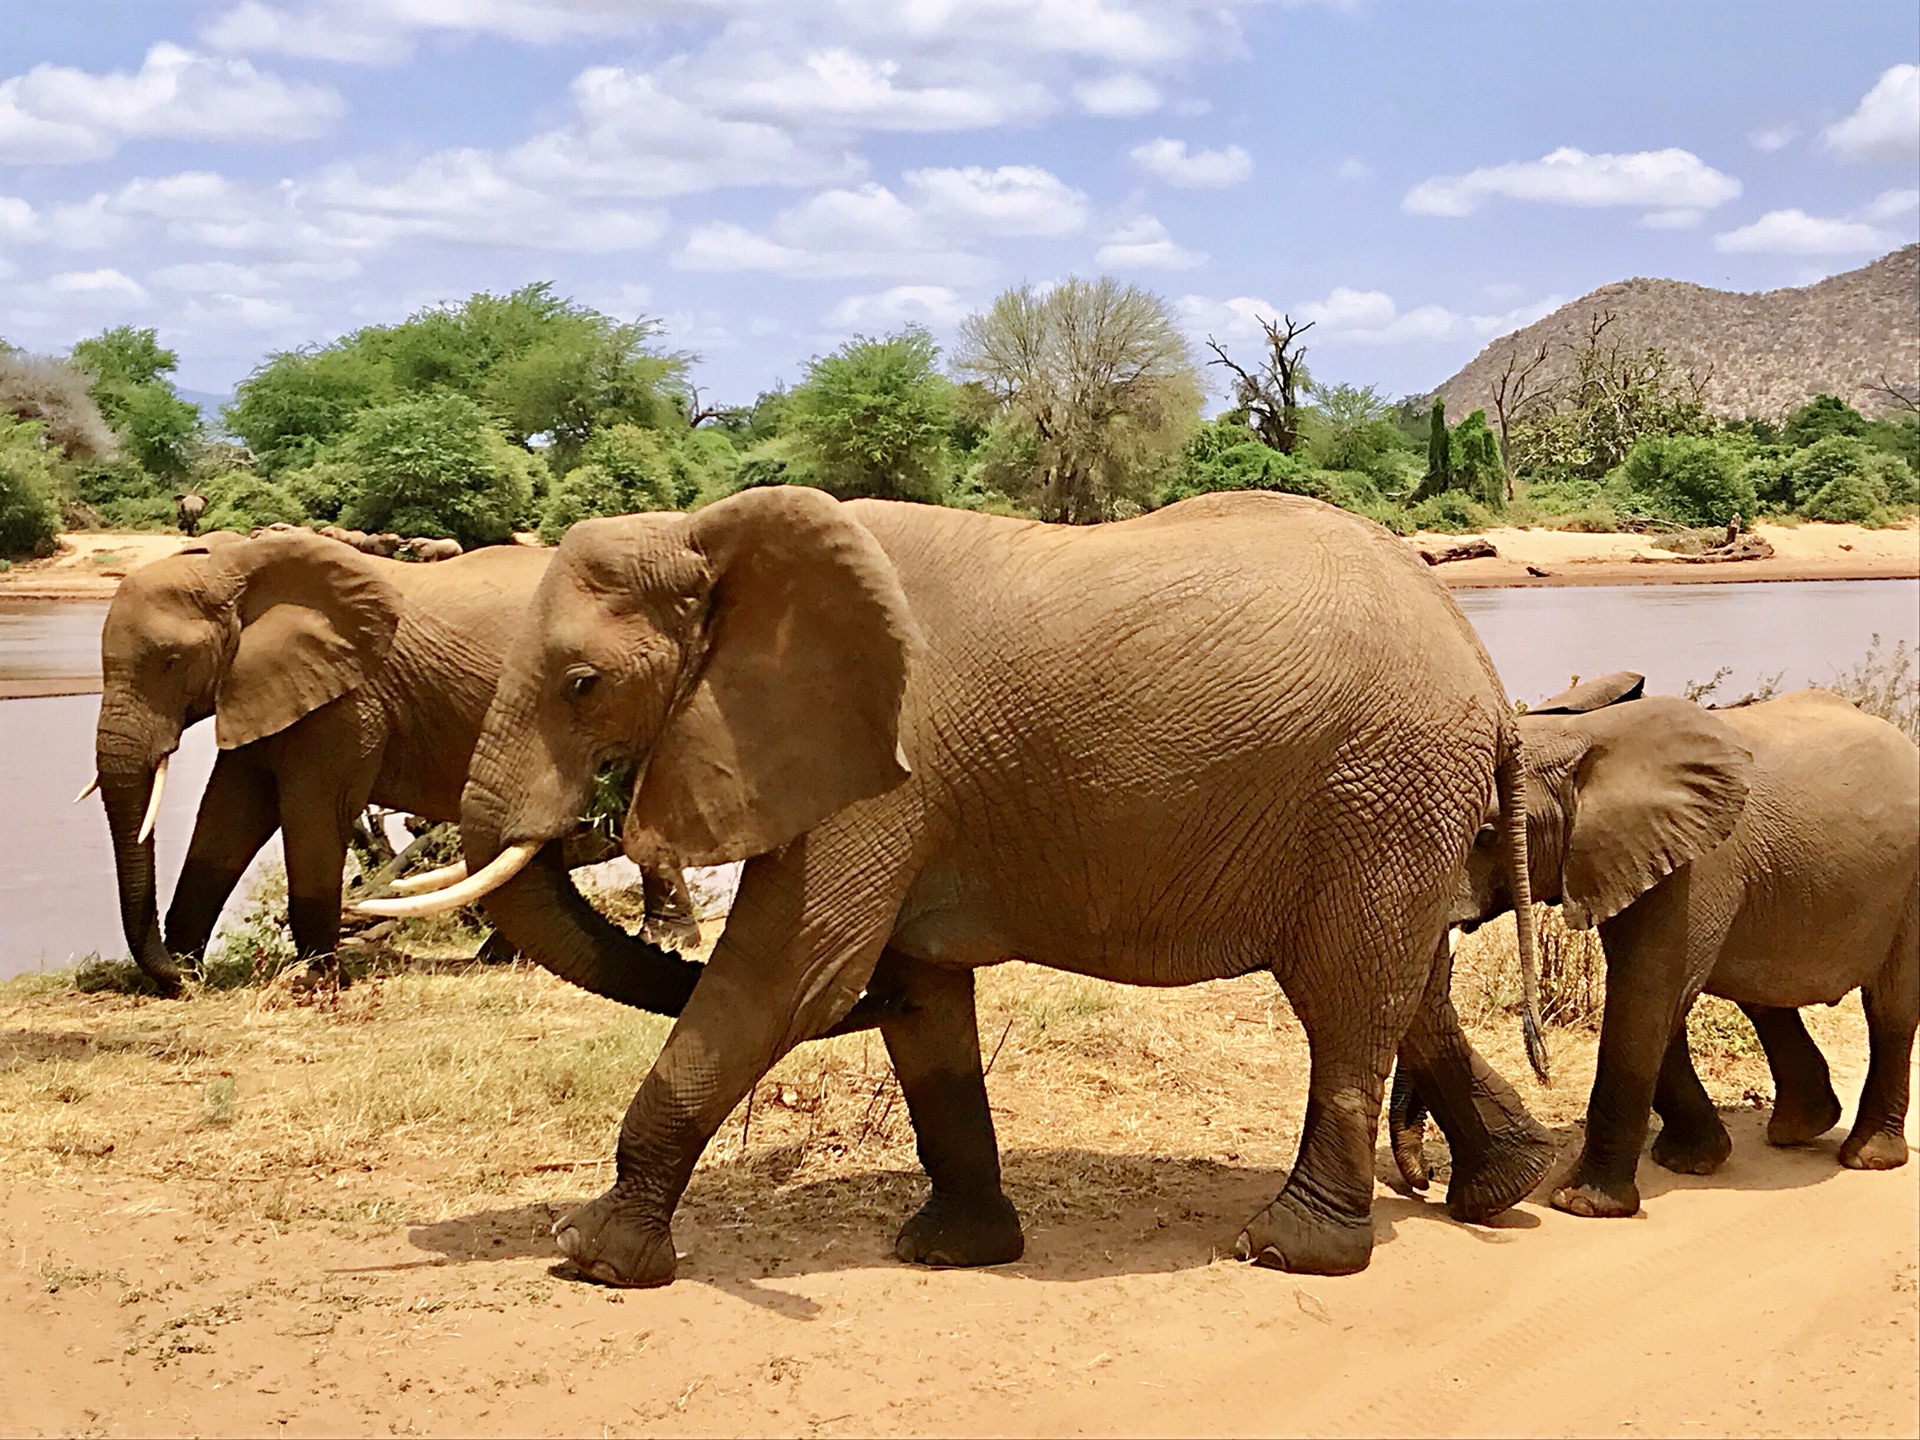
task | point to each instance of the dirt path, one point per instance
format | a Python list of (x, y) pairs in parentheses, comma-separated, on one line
[(1777, 1299)]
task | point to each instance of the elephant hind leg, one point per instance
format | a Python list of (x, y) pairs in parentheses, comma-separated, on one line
[(934, 1043), (1692, 1139), (1878, 1139), (1804, 1105)]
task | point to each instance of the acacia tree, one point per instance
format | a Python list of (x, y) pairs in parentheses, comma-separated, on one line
[(1093, 388), (1270, 393), (874, 417)]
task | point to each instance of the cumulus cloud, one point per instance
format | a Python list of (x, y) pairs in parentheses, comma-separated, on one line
[(1669, 180), (106, 284), (1794, 232), (1123, 93), (1171, 162), (380, 32), (1343, 316), (1144, 244), (1885, 125), (55, 114), (938, 307), (1009, 200), (1488, 326)]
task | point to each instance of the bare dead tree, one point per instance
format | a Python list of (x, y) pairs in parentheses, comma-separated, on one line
[(1270, 394), (1514, 393), (1904, 397), (697, 413)]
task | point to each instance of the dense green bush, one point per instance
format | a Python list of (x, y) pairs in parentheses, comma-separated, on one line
[(435, 466), (876, 417), (622, 470), (29, 518), (323, 488), (1688, 479), (1820, 417), (240, 500), (1851, 499), (1452, 511), (1476, 469)]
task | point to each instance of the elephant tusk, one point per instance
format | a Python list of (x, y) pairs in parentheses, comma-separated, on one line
[(92, 785), (502, 868), (430, 879), (153, 800)]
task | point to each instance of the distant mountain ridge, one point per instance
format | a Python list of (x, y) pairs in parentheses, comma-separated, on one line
[(1764, 352)]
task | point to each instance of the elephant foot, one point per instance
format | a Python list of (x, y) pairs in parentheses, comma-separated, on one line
[(607, 1242), (1284, 1237), (1503, 1176), (1699, 1153), (679, 933), (1596, 1202), (1877, 1150), (1798, 1121), (983, 1230)]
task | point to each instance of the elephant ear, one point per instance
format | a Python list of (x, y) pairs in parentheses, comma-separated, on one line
[(1596, 694), (315, 621), (794, 712), (1662, 783)]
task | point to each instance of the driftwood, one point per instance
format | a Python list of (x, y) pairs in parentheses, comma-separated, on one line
[(1747, 547), (1477, 548)]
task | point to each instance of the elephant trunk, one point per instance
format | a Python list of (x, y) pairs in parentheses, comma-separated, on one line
[(1511, 780), (126, 803)]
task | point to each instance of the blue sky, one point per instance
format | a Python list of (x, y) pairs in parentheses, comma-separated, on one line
[(770, 178)]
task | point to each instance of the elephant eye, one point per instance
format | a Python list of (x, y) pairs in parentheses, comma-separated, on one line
[(580, 684)]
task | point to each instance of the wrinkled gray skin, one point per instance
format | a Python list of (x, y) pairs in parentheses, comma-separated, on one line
[(1243, 733), (187, 510), (1767, 853), (333, 680), (424, 549)]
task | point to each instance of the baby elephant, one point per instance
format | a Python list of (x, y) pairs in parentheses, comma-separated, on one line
[(187, 510), (423, 549), (1767, 853)]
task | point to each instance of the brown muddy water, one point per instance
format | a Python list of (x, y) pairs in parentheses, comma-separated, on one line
[(56, 871)]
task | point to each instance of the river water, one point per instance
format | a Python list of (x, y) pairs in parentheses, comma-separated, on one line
[(56, 870)]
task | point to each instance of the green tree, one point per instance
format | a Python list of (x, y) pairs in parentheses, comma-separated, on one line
[(1439, 476), (1820, 417), (300, 401), (435, 466), (1099, 374), (622, 470), (1350, 427), (876, 417), (29, 519), (1474, 466), (1688, 479)]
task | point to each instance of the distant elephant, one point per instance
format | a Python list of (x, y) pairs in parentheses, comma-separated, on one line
[(424, 549), (1767, 853), (187, 510), (385, 544), (343, 535), (1246, 732), (333, 680)]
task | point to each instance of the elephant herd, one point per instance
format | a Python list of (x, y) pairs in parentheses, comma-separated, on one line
[(1245, 732)]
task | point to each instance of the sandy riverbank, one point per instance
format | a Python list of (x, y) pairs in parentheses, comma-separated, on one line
[(91, 564)]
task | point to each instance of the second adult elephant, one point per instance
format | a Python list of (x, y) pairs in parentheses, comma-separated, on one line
[(1243, 733), (1767, 853), (333, 679)]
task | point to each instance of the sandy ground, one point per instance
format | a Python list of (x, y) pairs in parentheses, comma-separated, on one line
[(91, 565), (155, 1282)]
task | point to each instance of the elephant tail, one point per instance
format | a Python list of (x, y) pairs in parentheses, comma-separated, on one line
[(1510, 778)]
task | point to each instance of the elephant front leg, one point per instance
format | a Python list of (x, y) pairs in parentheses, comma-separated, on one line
[(238, 815), (934, 1043), (1692, 1139), (1500, 1152), (314, 824), (1804, 1105)]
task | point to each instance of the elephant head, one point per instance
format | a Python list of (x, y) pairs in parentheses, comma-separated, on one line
[(254, 633), (749, 662), (1621, 792)]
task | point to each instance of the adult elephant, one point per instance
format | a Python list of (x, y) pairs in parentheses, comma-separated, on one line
[(1246, 732), (1766, 853), (333, 679)]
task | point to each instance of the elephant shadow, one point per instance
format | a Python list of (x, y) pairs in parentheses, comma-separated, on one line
[(1087, 1214)]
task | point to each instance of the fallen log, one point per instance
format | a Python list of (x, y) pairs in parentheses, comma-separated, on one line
[(1477, 548), (1747, 547)]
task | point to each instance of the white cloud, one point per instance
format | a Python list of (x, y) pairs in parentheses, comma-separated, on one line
[(1122, 93), (722, 246), (1769, 138), (1655, 179), (1344, 316), (1171, 162), (839, 87), (55, 114), (1516, 318), (379, 32), (1794, 232), (18, 220), (1144, 244), (107, 284), (938, 307), (1886, 123), (226, 278), (1891, 205), (1679, 218), (1228, 321), (1010, 200)]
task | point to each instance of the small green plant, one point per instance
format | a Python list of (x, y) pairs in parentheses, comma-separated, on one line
[(219, 1101), (1717, 1027), (259, 946)]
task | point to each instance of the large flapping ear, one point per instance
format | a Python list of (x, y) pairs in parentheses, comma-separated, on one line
[(1662, 783), (315, 621), (1588, 695), (795, 711)]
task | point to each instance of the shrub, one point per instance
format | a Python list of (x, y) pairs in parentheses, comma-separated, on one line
[(33, 387), (1453, 511), (1207, 465), (875, 417), (1819, 418), (123, 493), (29, 518), (240, 500), (1688, 479), (622, 470), (1852, 499), (324, 488), (435, 466)]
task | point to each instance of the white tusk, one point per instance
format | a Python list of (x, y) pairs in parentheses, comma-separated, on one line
[(430, 879), (153, 800), (502, 868), (92, 785)]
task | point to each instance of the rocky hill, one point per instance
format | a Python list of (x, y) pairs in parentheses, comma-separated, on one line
[(1765, 352)]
